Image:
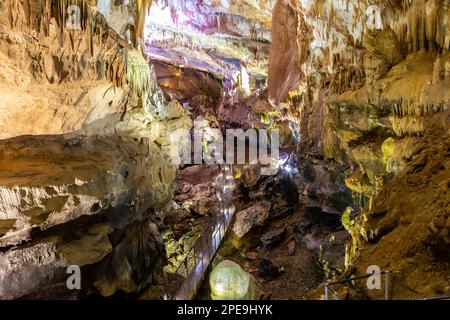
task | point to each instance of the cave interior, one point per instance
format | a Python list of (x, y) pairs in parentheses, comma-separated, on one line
[(224, 149)]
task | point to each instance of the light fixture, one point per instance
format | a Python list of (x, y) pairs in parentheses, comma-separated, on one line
[(288, 169), (282, 160)]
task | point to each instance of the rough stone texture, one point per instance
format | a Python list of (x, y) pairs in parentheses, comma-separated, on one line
[(288, 50), (274, 237), (251, 218), (267, 269), (84, 188), (371, 103), (406, 228)]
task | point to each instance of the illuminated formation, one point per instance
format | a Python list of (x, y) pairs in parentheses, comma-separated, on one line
[(229, 282)]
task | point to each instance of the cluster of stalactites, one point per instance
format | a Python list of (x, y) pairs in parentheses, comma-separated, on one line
[(421, 24), (140, 9), (141, 78), (91, 27), (339, 28), (38, 14)]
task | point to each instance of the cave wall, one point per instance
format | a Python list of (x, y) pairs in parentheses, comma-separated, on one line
[(372, 101), (84, 162)]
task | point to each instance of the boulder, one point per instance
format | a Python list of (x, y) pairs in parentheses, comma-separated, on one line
[(206, 207), (183, 188), (274, 237), (228, 281), (281, 208), (303, 227), (267, 269), (251, 218), (203, 190), (251, 175)]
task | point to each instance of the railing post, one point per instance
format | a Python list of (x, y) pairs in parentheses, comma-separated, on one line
[(386, 285)]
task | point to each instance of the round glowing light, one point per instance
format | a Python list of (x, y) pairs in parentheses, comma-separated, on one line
[(288, 169), (229, 282)]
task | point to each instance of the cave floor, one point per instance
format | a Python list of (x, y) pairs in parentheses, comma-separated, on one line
[(296, 258)]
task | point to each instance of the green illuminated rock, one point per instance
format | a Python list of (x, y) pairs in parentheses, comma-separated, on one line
[(229, 282)]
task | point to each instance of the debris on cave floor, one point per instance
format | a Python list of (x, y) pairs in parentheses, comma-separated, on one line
[(288, 249), (291, 267), (297, 257)]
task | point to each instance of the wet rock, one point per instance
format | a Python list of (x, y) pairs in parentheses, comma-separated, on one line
[(251, 218), (267, 269), (272, 238)]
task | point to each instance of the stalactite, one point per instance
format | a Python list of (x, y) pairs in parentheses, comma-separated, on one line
[(139, 76), (437, 71), (142, 8), (422, 24), (431, 21), (447, 69)]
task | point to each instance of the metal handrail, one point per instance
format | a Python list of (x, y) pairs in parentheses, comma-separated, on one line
[(327, 285), (202, 252), (438, 298)]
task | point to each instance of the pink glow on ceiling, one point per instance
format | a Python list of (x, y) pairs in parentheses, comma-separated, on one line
[(193, 14)]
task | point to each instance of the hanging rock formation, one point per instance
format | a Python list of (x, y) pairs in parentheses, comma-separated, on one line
[(373, 99)]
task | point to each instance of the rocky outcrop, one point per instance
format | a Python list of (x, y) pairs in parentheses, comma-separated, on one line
[(274, 237), (358, 89), (405, 230), (85, 157), (290, 40), (373, 97)]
